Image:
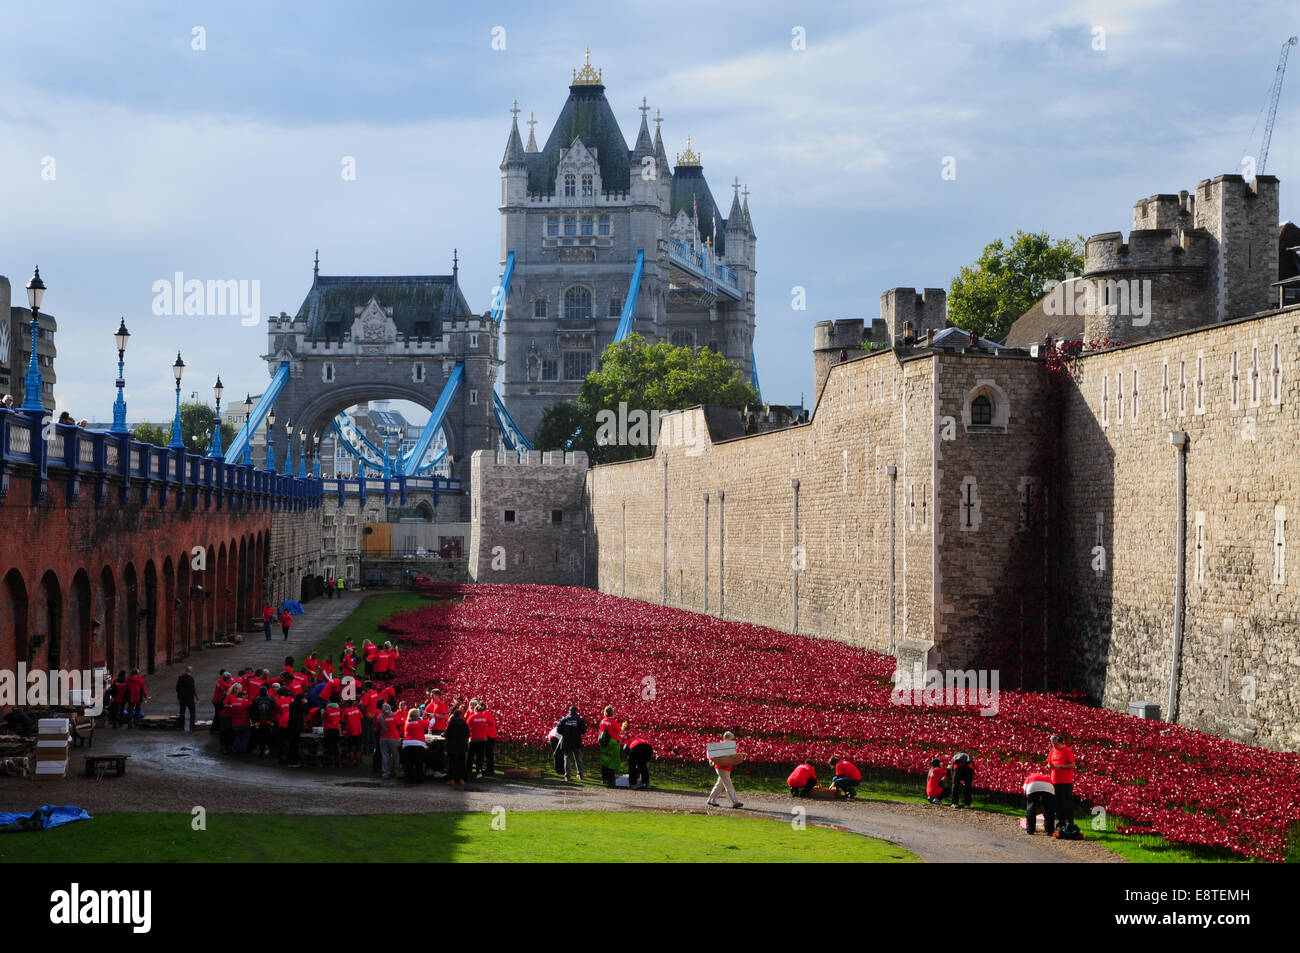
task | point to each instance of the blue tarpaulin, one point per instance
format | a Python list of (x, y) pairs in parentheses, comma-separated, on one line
[(295, 608), (47, 817)]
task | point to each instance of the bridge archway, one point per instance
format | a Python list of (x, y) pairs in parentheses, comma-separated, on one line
[(169, 610), (322, 408), (130, 658), (185, 609), (150, 614)]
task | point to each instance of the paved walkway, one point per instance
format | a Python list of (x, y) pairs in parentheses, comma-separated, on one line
[(172, 771)]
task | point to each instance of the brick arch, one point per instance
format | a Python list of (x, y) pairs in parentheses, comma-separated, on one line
[(185, 613), (231, 598), (14, 617), (244, 591), (130, 635), (80, 647), (208, 607), (48, 623), (109, 617), (218, 594), (149, 623), (169, 612)]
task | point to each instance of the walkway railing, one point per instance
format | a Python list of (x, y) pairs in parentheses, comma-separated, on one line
[(34, 447), (702, 265)]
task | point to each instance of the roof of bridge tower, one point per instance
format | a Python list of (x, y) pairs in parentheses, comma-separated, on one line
[(688, 181), (413, 298), (587, 116)]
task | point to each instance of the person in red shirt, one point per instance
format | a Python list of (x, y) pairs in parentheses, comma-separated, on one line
[(348, 663), (802, 780), (268, 616), (639, 754), (439, 710), (934, 779), (327, 666), (845, 776), (311, 665), (1040, 795), (353, 722), (136, 695), (286, 622), (331, 720), (478, 721), (219, 698), (238, 704), (368, 652), (1061, 761), (491, 742), (390, 739), (280, 731), (414, 747)]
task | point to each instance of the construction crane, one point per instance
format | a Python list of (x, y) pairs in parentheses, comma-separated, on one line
[(1273, 96)]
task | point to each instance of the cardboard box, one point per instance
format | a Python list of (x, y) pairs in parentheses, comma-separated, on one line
[(718, 749), (728, 760), (824, 794), (521, 773), (52, 725), (50, 770), (51, 754), (56, 739)]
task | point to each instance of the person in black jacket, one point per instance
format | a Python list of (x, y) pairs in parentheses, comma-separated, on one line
[(186, 694), (261, 713), (571, 729), (457, 735), (298, 709)]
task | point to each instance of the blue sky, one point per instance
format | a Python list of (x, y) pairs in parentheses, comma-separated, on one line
[(225, 162)]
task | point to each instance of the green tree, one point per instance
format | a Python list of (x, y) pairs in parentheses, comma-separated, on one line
[(645, 378), (1007, 279), (196, 429)]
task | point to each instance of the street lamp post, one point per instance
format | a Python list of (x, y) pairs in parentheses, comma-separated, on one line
[(302, 453), (214, 448), (32, 383), (270, 440), (315, 456), (119, 406), (178, 369), (288, 450), (247, 459)]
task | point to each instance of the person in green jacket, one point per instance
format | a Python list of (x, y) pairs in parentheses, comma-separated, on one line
[(611, 748)]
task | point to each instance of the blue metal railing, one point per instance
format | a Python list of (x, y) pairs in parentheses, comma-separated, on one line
[(513, 437), (410, 463), (701, 265), (503, 291), (34, 447)]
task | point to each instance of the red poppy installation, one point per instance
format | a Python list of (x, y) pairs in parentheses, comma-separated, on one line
[(682, 678)]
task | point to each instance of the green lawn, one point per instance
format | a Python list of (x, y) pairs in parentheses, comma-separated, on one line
[(545, 836)]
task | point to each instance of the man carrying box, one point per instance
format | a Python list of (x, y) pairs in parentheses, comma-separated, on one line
[(723, 758)]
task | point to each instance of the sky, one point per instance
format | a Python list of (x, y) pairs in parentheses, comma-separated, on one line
[(210, 139)]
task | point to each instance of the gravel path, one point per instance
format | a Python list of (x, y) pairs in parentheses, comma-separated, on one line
[(174, 771)]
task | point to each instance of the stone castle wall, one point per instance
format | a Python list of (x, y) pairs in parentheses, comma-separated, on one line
[(1242, 625), (527, 517)]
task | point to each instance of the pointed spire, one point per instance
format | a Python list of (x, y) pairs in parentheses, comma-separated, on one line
[(514, 145), (315, 269), (455, 268), (532, 142), (736, 217), (661, 154), (644, 147), (749, 222)]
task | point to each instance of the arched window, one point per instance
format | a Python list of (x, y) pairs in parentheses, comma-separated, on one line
[(539, 307), (981, 411), (986, 408), (615, 307), (570, 185), (577, 304), (682, 338), (586, 186)]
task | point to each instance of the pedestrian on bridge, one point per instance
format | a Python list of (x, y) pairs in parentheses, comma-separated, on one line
[(268, 616)]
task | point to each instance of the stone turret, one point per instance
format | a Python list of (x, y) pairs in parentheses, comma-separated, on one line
[(908, 314)]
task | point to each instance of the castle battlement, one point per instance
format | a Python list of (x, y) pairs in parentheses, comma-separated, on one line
[(1148, 249), (574, 459), (904, 310), (1164, 211), (845, 333)]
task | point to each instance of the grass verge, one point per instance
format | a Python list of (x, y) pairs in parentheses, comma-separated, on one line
[(519, 836)]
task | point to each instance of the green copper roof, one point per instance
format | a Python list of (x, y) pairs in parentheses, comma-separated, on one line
[(688, 181), (587, 116), (413, 298)]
